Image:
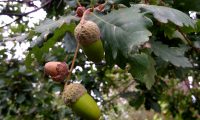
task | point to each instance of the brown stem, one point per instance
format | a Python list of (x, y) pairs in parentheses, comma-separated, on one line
[(79, 4), (188, 40), (66, 57), (185, 37), (84, 14), (59, 4), (73, 61)]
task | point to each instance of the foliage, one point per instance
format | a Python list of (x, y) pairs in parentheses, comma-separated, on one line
[(150, 52)]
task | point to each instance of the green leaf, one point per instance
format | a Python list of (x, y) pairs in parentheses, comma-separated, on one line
[(69, 43), (20, 98), (171, 33), (166, 14), (58, 35), (123, 31), (142, 68), (173, 55), (39, 41)]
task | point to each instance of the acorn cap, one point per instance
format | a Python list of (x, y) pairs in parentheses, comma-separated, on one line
[(87, 32), (57, 70), (73, 92)]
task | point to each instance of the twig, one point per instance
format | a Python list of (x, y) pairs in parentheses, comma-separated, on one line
[(59, 4), (66, 57), (79, 4), (10, 22), (24, 14), (73, 61), (185, 37), (21, 14), (188, 40)]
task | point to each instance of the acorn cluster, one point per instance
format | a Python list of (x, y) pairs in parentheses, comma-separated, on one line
[(75, 95)]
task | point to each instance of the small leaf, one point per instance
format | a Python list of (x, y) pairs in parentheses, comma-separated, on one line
[(177, 34), (173, 55), (20, 98), (171, 33), (142, 68), (58, 35), (69, 43)]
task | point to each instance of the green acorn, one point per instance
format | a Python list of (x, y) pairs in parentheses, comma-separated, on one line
[(87, 33), (75, 95)]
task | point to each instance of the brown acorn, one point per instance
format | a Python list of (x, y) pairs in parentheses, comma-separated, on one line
[(57, 70), (80, 10), (75, 96)]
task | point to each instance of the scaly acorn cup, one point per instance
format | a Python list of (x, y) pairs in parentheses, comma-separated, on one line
[(87, 33), (57, 70), (75, 95)]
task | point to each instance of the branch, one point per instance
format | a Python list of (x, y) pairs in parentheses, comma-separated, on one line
[(188, 40), (185, 37), (10, 22), (78, 3), (24, 14), (20, 15)]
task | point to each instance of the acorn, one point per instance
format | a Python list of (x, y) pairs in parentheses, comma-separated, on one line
[(80, 10), (57, 70), (75, 96), (87, 33)]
